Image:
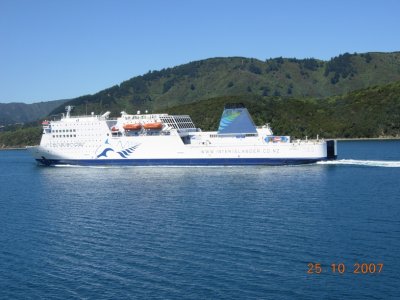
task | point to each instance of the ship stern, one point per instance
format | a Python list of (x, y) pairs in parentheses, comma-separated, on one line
[(331, 150)]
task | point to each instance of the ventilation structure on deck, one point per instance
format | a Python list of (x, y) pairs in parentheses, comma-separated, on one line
[(236, 120)]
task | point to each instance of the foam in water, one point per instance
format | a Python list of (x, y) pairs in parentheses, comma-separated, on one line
[(368, 163)]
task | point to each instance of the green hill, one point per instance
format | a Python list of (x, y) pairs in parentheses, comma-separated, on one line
[(218, 77), (366, 113), (13, 113)]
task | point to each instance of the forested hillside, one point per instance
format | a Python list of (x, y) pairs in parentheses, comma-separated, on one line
[(12, 113), (232, 76)]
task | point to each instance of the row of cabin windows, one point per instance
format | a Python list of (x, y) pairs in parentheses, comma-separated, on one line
[(231, 135), (69, 135), (63, 135), (65, 130)]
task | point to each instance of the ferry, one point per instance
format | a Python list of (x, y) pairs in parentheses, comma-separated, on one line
[(171, 140)]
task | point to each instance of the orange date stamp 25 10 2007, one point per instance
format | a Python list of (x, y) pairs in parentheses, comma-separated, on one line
[(341, 268)]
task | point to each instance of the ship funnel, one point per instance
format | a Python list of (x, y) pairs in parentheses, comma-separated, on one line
[(236, 120)]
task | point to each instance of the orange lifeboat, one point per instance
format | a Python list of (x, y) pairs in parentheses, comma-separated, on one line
[(154, 126), (133, 127), (45, 123), (114, 129)]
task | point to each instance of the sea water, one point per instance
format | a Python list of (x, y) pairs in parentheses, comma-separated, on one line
[(288, 232)]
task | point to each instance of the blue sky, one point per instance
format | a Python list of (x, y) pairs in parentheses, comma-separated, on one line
[(58, 49)]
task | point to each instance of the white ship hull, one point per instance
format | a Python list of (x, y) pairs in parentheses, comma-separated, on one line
[(92, 141)]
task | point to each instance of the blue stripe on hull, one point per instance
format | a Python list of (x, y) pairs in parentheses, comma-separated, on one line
[(183, 162)]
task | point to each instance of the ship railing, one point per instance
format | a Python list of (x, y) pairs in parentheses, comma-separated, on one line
[(308, 141), (99, 117)]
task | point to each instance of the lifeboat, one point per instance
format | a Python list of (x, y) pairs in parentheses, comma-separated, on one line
[(153, 126), (45, 123), (132, 127), (114, 129)]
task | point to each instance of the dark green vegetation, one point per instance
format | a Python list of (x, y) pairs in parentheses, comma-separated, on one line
[(20, 136), (298, 97), (12, 113)]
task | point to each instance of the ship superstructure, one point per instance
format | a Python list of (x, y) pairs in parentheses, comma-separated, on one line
[(162, 139)]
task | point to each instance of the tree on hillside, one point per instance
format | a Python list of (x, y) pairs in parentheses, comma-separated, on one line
[(254, 69), (341, 66)]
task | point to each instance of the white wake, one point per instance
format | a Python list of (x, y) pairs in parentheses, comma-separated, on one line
[(368, 163)]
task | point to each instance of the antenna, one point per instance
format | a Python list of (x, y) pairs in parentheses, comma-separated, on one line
[(68, 109)]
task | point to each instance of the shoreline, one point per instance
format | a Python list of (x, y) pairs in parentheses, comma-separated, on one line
[(12, 148)]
